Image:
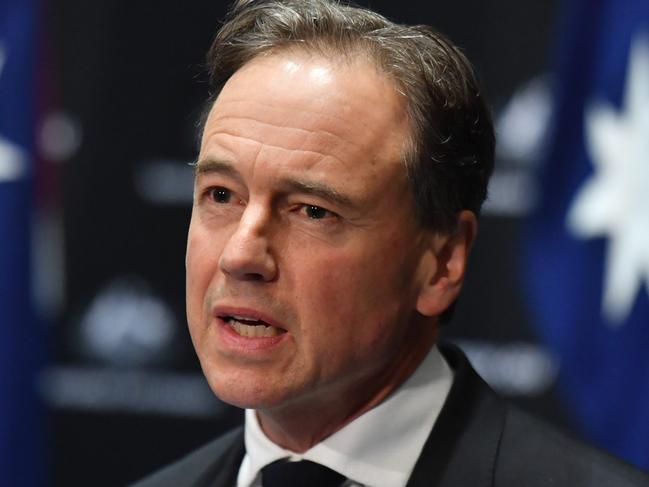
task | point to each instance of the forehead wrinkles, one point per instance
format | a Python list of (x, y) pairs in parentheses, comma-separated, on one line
[(340, 135), (291, 138), (309, 115)]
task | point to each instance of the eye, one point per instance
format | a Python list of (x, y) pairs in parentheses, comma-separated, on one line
[(317, 212), (220, 195)]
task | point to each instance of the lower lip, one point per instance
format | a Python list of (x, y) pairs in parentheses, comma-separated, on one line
[(233, 340)]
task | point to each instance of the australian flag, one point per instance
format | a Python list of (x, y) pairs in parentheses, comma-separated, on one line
[(19, 431), (587, 245)]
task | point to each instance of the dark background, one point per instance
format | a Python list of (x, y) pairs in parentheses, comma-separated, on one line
[(126, 85)]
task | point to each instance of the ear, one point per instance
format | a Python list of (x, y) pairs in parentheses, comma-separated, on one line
[(444, 265)]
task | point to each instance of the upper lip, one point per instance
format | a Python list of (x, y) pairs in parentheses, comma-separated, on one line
[(221, 311)]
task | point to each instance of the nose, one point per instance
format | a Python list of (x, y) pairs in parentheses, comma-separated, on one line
[(247, 254)]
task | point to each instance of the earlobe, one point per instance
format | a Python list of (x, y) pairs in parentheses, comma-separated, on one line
[(444, 266)]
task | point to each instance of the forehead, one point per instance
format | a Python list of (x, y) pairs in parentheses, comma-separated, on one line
[(316, 104)]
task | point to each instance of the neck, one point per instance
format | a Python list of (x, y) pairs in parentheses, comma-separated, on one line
[(298, 427)]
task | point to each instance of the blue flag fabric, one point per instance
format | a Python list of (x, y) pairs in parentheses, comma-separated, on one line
[(586, 249), (19, 344)]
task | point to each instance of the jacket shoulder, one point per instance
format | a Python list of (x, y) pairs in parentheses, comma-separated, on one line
[(219, 458), (533, 453)]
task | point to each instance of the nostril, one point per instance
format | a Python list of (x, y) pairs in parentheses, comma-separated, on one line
[(252, 276)]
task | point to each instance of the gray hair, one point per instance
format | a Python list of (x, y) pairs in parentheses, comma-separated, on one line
[(450, 155)]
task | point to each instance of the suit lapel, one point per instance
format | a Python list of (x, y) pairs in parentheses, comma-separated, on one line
[(463, 445), (223, 470)]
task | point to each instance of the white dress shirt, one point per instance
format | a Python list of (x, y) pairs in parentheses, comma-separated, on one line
[(377, 449)]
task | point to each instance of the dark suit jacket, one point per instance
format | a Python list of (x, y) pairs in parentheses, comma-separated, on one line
[(478, 441)]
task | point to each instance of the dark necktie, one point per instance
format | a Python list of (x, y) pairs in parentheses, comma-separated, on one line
[(299, 474)]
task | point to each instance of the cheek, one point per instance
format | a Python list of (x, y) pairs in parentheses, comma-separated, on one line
[(349, 318), (345, 288), (201, 262), (368, 279)]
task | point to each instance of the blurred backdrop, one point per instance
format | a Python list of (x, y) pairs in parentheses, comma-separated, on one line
[(99, 103)]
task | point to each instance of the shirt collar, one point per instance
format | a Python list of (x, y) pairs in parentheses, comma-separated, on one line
[(380, 447)]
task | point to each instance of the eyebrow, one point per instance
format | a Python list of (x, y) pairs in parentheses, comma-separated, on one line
[(318, 189), (206, 166)]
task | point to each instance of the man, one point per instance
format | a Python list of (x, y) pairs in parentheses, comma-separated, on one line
[(342, 167)]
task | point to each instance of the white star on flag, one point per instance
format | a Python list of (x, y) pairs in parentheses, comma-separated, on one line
[(614, 201), (12, 159)]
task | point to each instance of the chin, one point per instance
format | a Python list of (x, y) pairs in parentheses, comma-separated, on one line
[(245, 393)]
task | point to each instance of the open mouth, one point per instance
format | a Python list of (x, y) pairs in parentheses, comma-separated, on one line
[(251, 327)]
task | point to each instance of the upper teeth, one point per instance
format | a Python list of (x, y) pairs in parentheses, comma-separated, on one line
[(250, 330), (246, 318)]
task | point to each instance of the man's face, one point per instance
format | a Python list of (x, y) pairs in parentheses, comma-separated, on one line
[(304, 261)]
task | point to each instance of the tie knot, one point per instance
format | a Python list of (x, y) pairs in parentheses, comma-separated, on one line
[(299, 474)]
